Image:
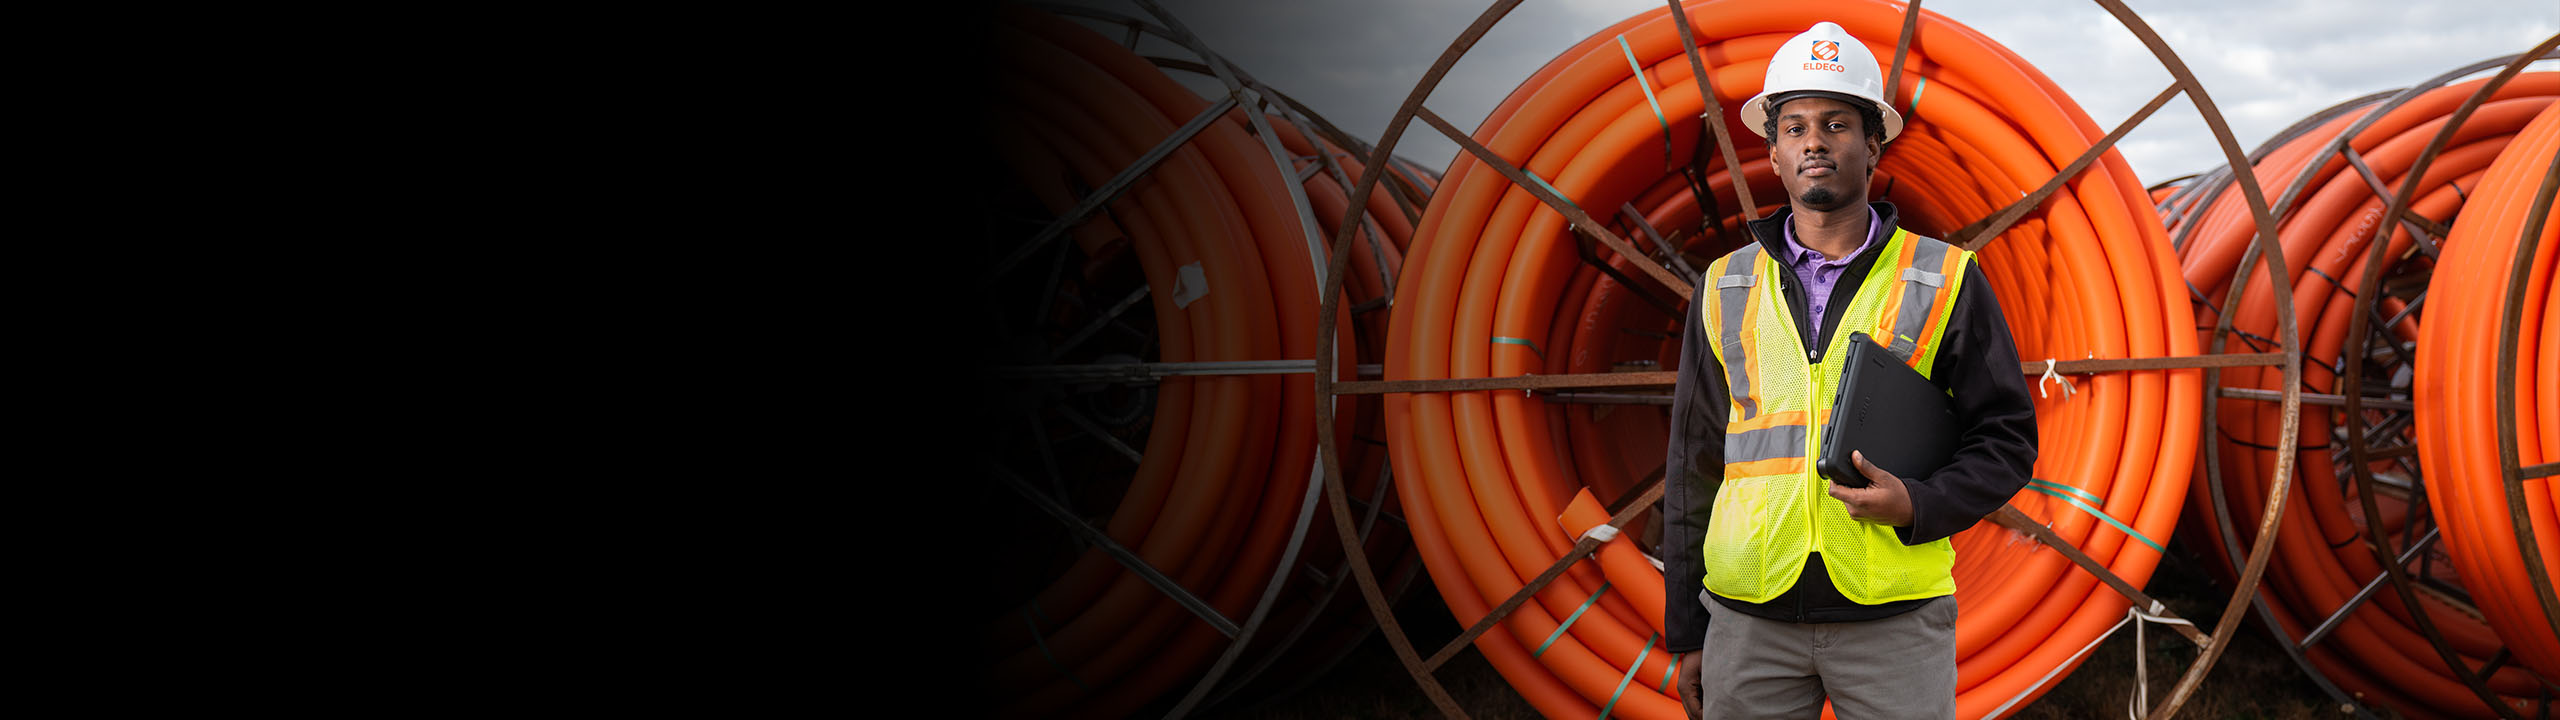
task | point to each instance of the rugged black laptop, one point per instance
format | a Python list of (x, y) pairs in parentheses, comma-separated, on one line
[(1888, 411)]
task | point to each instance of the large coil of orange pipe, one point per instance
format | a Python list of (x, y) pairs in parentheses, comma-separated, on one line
[(1215, 494), (2457, 409), (2377, 653), (1496, 285), (1322, 621)]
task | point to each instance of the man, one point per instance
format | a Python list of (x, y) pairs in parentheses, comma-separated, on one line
[(1816, 589)]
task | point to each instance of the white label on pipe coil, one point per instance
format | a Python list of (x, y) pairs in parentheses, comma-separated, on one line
[(1602, 532), (1189, 284)]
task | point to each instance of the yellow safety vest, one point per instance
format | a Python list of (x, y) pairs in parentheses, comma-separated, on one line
[(1773, 508)]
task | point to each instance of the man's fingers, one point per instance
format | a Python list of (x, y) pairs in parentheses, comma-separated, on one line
[(1858, 498), (1855, 498), (1691, 686)]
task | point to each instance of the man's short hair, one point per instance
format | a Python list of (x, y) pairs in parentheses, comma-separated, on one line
[(1868, 116)]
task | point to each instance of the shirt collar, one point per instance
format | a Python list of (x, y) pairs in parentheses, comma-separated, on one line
[(1798, 254)]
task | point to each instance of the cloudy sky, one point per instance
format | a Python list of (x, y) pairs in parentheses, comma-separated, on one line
[(2266, 64)]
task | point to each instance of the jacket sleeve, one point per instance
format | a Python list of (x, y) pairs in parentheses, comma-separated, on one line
[(1978, 363), (1694, 465)]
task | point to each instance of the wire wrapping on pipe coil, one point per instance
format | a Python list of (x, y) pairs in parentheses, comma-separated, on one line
[(1225, 266), (2322, 558), (1487, 474)]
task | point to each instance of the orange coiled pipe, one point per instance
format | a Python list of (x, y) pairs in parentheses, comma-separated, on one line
[(1212, 238), (2457, 413), (1494, 285), (2376, 652), (1311, 631)]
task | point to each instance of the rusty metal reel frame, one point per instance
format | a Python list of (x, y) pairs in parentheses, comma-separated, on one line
[(1253, 99), (2351, 396), (1972, 237), (1408, 195)]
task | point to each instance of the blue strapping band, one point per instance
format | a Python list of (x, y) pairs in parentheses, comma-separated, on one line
[(2067, 494), (2083, 494), (1533, 347), (1036, 639), (1631, 675), (1917, 87), (1669, 672), (1551, 189), (1648, 97), (1568, 621)]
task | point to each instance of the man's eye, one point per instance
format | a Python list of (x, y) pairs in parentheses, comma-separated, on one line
[(1836, 127)]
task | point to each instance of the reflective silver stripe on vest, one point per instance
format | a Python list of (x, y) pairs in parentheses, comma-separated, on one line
[(1732, 296), (1920, 290), (1784, 441)]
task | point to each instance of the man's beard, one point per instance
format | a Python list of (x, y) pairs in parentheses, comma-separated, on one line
[(1821, 198)]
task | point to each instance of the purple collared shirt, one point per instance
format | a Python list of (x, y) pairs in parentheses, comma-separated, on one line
[(1817, 274)]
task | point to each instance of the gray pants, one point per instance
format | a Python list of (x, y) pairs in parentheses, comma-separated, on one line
[(1898, 667)]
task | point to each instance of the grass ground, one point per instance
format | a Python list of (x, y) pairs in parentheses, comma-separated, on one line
[(2253, 680)]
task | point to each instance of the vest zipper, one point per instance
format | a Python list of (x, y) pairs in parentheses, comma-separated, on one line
[(1801, 611), (1792, 296), (1813, 489)]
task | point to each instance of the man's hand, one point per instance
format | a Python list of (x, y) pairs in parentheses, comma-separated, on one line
[(1690, 688), (1884, 501)]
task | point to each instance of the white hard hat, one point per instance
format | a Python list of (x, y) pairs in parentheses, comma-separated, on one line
[(1825, 59)]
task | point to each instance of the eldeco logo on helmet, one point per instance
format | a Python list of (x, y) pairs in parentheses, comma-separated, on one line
[(1833, 62), (1825, 52)]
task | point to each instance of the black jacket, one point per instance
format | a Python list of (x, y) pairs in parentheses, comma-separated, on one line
[(1977, 361)]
